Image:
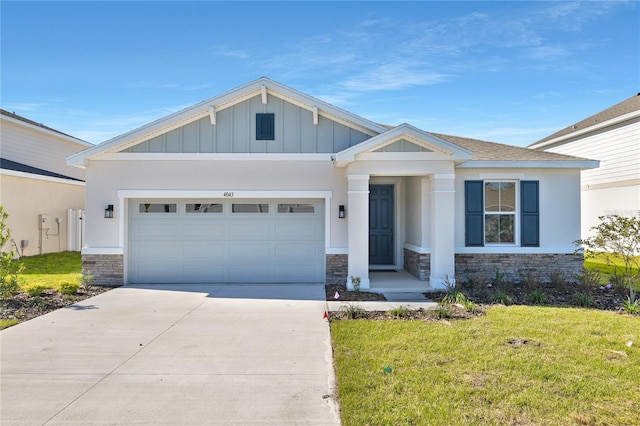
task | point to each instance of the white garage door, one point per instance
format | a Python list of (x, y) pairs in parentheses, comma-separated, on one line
[(219, 241)]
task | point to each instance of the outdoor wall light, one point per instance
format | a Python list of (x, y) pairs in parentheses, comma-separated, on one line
[(108, 212), (341, 213)]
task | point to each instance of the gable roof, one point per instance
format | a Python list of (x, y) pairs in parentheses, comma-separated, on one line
[(19, 167), (625, 110), (408, 132), (212, 106), (13, 117)]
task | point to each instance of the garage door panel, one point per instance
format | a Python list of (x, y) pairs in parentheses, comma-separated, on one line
[(201, 229), (225, 246), (296, 230)]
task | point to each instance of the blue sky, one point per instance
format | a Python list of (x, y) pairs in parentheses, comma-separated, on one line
[(509, 72)]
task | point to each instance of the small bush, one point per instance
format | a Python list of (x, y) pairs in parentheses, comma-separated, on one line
[(35, 289), (537, 297), (399, 312), (475, 281), (499, 279), (8, 287), (631, 307), (589, 278), (583, 300), (87, 279), (352, 310), (443, 311), (618, 281), (529, 278), (469, 306), (557, 278), (67, 287), (501, 297), (454, 297)]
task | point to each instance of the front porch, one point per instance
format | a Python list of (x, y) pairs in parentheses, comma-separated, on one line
[(397, 281)]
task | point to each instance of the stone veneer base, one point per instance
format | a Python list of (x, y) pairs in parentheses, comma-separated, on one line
[(417, 264), (336, 268), (512, 265), (106, 269)]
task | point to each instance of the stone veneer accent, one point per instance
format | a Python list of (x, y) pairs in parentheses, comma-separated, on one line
[(107, 269), (510, 264), (336, 268), (418, 265)]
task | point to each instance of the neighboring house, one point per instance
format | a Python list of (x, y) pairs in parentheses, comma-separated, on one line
[(42, 194), (613, 137), (266, 184)]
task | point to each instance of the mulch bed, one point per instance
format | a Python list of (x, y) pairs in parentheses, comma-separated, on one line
[(23, 307), (556, 294)]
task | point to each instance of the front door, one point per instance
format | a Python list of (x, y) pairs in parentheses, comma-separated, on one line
[(381, 225)]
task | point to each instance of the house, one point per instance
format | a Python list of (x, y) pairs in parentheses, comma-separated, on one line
[(42, 194), (267, 184), (613, 137)]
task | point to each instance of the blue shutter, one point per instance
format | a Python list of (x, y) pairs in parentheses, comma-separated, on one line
[(529, 214), (265, 127), (474, 213)]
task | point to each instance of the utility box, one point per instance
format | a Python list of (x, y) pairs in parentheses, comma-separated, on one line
[(44, 221), (24, 244)]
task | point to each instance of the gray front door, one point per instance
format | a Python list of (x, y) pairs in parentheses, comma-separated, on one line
[(381, 225)]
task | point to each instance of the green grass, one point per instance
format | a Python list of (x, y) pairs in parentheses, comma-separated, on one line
[(598, 262), (516, 365), (51, 269), (6, 323)]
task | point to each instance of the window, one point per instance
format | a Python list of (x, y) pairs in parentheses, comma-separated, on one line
[(250, 208), (157, 208), (265, 127), (203, 208), (296, 208), (493, 215), (499, 212)]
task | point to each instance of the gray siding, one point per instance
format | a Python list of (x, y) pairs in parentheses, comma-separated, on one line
[(235, 132)]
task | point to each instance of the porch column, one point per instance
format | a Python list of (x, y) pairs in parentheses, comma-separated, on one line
[(442, 229), (358, 229)]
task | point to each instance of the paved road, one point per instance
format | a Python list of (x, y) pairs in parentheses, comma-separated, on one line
[(173, 355)]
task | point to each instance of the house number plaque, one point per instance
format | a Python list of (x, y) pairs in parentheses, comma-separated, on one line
[(228, 194)]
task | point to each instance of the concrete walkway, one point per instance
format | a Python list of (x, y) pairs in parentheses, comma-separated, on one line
[(173, 355)]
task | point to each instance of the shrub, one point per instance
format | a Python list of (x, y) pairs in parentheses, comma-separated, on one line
[(631, 307), (454, 297), (499, 279), (355, 281), (537, 297), (589, 278), (87, 279), (443, 311), (67, 287), (469, 306), (583, 300), (501, 297), (529, 278), (9, 269), (35, 289), (352, 310), (557, 278), (399, 312), (475, 281)]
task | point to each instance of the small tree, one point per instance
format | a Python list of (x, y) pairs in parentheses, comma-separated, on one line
[(616, 237), (9, 269)]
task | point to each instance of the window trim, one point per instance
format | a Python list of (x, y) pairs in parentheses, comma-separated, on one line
[(515, 213)]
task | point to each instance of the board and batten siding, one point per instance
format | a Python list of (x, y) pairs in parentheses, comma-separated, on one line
[(617, 148), (26, 145), (235, 132)]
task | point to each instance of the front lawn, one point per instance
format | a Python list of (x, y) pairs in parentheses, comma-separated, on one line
[(51, 269), (516, 365)]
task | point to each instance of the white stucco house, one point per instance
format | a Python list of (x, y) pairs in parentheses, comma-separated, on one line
[(267, 184), (613, 137), (42, 194)]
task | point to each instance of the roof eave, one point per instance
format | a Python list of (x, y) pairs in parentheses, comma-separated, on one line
[(530, 164)]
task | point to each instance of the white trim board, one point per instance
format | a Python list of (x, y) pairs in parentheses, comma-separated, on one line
[(33, 176)]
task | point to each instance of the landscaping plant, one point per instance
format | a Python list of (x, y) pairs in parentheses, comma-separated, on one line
[(9, 269), (616, 238)]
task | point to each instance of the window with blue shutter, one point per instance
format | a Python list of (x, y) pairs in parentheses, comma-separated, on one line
[(474, 213), (529, 214), (265, 127)]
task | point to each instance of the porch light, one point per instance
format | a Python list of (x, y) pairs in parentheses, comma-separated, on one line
[(108, 212), (341, 213)]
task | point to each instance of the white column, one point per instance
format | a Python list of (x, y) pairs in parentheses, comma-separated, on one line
[(442, 229), (358, 223)]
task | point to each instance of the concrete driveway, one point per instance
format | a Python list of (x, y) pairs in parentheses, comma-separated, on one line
[(174, 355)]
